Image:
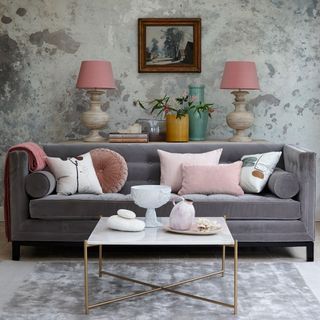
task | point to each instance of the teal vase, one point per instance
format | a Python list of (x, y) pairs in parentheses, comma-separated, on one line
[(198, 121), (197, 91)]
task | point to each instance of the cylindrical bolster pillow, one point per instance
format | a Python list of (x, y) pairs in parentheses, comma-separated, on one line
[(283, 184), (39, 184)]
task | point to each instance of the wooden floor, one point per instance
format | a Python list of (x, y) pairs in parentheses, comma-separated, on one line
[(45, 253)]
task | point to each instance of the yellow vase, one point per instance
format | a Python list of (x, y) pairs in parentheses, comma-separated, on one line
[(177, 129)]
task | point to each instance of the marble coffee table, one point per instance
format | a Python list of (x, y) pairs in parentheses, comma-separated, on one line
[(103, 236)]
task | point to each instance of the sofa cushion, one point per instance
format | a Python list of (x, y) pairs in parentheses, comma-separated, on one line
[(171, 165), (283, 184), (222, 178), (249, 206), (40, 183), (111, 169), (256, 170), (89, 206), (74, 175)]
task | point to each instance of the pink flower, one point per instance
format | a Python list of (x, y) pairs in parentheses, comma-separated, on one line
[(193, 98)]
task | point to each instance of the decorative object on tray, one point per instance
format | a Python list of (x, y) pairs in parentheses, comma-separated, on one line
[(204, 224), (134, 128), (169, 45), (182, 214), (125, 220), (201, 226), (199, 113), (155, 128), (241, 76), (95, 76), (151, 197), (128, 137)]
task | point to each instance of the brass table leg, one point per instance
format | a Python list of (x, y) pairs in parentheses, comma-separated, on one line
[(86, 297), (235, 278)]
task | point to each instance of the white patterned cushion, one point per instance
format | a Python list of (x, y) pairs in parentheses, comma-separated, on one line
[(256, 170), (75, 175)]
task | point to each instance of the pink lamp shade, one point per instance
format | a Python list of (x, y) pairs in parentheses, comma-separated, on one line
[(95, 74), (240, 75)]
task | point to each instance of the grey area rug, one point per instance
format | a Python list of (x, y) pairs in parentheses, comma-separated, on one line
[(54, 290)]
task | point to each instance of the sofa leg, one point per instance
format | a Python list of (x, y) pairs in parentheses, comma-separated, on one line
[(15, 250), (310, 251)]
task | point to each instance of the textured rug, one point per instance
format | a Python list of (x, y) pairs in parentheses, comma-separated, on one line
[(54, 290)]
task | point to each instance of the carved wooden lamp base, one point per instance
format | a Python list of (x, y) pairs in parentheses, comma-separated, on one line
[(94, 119), (240, 119)]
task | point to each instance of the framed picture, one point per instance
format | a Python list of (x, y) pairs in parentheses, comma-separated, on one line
[(169, 45)]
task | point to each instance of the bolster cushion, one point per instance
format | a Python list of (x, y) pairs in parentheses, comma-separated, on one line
[(40, 184), (283, 184)]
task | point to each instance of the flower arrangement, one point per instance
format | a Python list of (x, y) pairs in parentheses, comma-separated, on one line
[(179, 106), (168, 105)]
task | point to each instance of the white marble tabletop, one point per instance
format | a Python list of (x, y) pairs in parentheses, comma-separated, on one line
[(102, 235)]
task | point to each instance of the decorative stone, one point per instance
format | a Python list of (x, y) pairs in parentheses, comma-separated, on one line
[(127, 214), (122, 224)]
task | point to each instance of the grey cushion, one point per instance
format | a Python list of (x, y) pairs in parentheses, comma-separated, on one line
[(39, 184), (283, 184), (249, 206)]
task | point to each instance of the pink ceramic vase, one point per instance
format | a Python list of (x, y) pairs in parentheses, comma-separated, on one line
[(182, 214)]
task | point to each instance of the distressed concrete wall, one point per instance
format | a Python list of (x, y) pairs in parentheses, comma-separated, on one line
[(43, 42)]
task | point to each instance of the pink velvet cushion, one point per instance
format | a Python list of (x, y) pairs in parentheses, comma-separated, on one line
[(111, 169), (222, 178), (171, 165)]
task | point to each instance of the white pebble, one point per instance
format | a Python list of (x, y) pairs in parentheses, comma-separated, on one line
[(127, 214), (122, 224)]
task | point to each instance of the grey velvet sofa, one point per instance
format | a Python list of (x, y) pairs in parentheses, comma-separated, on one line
[(254, 219)]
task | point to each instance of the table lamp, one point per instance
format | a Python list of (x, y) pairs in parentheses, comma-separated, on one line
[(95, 76), (241, 75)]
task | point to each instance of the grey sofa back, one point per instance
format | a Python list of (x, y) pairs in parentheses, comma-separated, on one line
[(143, 160)]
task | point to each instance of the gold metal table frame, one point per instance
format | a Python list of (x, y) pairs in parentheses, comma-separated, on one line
[(155, 287)]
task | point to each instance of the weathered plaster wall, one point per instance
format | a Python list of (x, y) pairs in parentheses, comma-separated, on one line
[(43, 42)]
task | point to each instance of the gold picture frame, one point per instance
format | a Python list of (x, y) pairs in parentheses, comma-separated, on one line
[(169, 45)]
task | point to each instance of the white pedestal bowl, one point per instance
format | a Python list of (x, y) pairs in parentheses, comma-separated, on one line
[(151, 197)]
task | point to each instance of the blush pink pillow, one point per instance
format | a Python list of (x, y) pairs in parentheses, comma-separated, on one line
[(222, 178), (171, 165), (111, 169)]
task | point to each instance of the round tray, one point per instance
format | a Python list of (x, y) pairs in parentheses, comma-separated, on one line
[(193, 232)]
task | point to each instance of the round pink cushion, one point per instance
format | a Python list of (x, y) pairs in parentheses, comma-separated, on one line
[(111, 169)]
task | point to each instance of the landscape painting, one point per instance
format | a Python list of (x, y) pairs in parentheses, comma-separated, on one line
[(169, 45)]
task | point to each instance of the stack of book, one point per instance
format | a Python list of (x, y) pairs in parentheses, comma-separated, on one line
[(128, 137)]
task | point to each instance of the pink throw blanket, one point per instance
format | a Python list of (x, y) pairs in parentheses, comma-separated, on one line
[(37, 161)]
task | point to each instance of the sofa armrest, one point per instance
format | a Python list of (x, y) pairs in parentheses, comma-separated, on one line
[(19, 200), (302, 162)]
